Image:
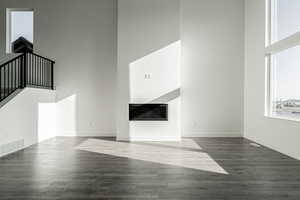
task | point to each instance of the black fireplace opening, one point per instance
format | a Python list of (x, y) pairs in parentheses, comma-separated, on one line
[(148, 112)]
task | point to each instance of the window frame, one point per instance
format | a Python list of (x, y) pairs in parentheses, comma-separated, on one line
[(273, 46), (9, 26)]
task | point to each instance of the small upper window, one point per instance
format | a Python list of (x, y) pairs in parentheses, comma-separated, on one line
[(19, 30)]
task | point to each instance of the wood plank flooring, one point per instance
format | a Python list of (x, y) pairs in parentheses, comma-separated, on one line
[(101, 168)]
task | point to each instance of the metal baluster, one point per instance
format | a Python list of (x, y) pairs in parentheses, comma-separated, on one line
[(52, 78), (1, 83), (43, 72), (31, 58), (36, 71)]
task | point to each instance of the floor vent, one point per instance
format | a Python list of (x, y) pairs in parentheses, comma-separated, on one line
[(11, 147)]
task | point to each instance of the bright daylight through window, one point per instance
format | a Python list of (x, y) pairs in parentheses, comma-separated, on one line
[(283, 59), (19, 35)]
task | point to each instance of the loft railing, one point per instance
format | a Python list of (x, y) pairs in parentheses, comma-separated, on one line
[(25, 70), (39, 71)]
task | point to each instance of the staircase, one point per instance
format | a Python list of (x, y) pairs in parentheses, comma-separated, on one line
[(26, 70)]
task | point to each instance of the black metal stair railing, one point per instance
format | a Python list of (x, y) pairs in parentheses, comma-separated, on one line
[(25, 70)]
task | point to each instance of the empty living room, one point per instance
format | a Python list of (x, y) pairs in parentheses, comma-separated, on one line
[(150, 99)]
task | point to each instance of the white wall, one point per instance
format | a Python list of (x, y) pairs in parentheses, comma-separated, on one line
[(29, 116), (155, 78), (281, 135), (81, 36), (212, 35), (144, 27)]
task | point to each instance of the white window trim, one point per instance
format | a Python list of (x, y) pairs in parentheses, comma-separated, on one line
[(272, 47), (8, 26)]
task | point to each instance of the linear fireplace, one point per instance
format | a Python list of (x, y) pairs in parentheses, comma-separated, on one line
[(148, 112)]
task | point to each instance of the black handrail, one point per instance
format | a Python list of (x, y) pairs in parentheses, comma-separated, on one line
[(26, 70), (42, 57), (15, 58)]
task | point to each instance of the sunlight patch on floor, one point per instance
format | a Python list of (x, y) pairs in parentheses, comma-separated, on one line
[(157, 154), (184, 143)]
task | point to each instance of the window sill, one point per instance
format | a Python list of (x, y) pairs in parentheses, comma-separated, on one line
[(287, 117)]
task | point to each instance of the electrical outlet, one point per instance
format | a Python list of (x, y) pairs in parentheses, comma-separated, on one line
[(91, 124), (195, 124), (147, 76)]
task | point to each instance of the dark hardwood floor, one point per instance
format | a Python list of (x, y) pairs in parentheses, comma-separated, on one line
[(78, 168)]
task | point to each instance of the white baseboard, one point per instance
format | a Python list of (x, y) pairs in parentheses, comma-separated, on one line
[(212, 134), (11, 147), (125, 139), (271, 146), (85, 134), (151, 139)]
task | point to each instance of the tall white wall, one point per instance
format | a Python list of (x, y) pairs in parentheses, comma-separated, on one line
[(81, 36), (281, 135), (29, 117), (144, 27), (212, 36), (155, 79)]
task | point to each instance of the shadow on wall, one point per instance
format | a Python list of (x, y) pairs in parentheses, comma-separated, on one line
[(167, 97), (60, 118), (155, 77), (162, 87)]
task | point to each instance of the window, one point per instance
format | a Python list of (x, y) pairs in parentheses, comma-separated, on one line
[(284, 18), (19, 28), (283, 59)]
